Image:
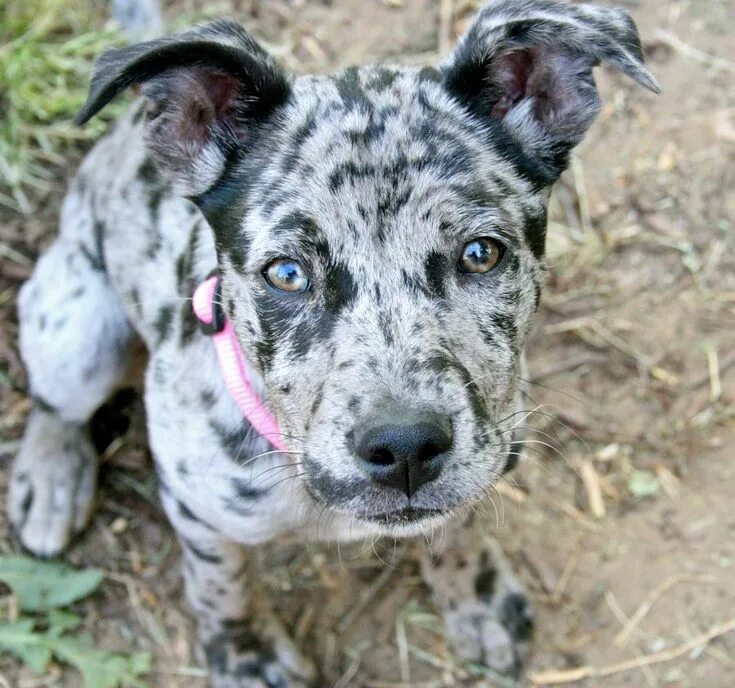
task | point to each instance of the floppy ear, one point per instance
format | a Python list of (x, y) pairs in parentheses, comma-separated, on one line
[(208, 90), (528, 64)]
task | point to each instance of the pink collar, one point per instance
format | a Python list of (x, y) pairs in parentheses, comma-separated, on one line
[(208, 309)]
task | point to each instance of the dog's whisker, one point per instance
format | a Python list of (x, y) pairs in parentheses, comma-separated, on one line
[(270, 452)]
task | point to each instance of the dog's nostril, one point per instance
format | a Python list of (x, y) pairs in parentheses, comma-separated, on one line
[(382, 457), (431, 451)]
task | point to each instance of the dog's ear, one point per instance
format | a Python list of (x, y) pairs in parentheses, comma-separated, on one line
[(208, 89), (528, 64)]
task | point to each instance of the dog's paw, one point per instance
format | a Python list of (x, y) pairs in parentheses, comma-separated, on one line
[(239, 658), (494, 632), (52, 484), (486, 613)]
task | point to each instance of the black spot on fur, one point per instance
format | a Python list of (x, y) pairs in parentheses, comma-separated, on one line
[(233, 441), (208, 398), (506, 324), (485, 581), (43, 404), (244, 489), (536, 296), (436, 271), (186, 513), (95, 255), (340, 289), (382, 79), (147, 172), (430, 74), (351, 91), (224, 208), (535, 233), (323, 486), (250, 652), (515, 615), (349, 172), (296, 223), (187, 283), (386, 327), (317, 401), (163, 322), (201, 554)]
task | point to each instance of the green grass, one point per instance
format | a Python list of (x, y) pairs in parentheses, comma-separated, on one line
[(47, 48)]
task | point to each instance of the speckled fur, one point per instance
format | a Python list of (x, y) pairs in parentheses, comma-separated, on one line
[(374, 179)]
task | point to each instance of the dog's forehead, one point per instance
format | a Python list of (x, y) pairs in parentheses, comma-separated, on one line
[(380, 155)]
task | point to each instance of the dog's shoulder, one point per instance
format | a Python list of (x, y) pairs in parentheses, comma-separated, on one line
[(153, 245)]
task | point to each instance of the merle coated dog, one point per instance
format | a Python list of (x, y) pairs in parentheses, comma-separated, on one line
[(378, 237)]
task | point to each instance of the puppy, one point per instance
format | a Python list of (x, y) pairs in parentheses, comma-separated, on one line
[(377, 244)]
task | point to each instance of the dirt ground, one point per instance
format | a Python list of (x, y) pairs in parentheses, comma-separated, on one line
[(624, 527)]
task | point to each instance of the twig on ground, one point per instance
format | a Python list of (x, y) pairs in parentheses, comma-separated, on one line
[(566, 365), (365, 599), (446, 15), (621, 639), (704, 379), (591, 481), (564, 676), (566, 574), (580, 188), (713, 366), (676, 44)]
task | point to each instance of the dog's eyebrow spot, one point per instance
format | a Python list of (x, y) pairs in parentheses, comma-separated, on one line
[(305, 226)]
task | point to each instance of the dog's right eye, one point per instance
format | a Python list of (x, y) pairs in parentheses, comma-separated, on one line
[(286, 275)]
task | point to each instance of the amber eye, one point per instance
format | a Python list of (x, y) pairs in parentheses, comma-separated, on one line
[(480, 255), (286, 275)]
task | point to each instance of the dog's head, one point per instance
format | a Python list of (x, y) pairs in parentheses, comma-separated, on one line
[(381, 233)]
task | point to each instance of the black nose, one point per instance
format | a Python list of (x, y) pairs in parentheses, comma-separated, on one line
[(405, 455)]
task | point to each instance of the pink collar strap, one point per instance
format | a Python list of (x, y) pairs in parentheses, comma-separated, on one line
[(213, 321)]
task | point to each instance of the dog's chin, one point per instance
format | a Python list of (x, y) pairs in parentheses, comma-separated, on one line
[(404, 522)]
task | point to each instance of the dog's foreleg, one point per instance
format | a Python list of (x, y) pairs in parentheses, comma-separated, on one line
[(244, 644), (75, 341)]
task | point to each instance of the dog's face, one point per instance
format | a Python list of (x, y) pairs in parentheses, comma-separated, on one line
[(392, 269), (381, 235)]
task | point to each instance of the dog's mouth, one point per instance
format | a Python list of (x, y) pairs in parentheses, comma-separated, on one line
[(398, 517)]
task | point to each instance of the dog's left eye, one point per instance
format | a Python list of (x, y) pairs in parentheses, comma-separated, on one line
[(286, 275), (480, 255)]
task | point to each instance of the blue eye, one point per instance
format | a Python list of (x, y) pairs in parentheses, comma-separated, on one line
[(286, 275), (480, 255)]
